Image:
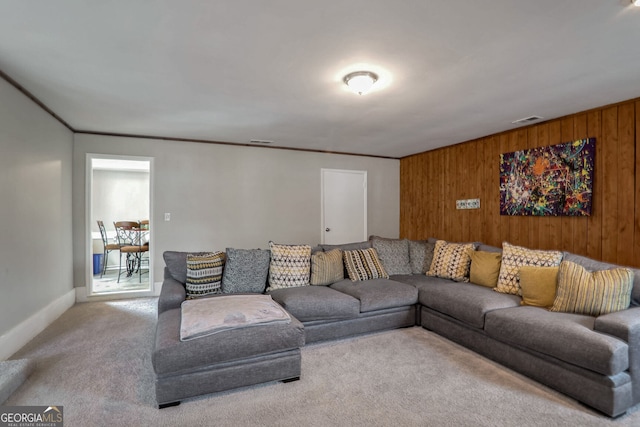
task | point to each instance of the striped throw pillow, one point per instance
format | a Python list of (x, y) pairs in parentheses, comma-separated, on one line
[(451, 261), (593, 293), (363, 264), (290, 266), (204, 274), (327, 267)]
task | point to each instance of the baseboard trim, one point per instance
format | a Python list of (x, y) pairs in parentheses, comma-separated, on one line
[(24, 332)]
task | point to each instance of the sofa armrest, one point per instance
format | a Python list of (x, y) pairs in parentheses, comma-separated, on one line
[(172, 295), (623, 324)]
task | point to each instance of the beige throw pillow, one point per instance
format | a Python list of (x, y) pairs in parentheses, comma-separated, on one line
[(327, 267)]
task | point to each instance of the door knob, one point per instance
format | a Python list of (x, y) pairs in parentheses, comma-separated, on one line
[(327, 229)]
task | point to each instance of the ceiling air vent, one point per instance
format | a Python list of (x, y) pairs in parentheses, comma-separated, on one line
[(526, 120), (261, 141)]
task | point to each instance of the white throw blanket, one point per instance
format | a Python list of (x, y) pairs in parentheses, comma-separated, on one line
[(207, 316)]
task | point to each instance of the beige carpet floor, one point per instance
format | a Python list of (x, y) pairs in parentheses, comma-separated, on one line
[(95, 361)]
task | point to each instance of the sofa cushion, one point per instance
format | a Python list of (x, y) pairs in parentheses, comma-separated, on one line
[(308, 303), (565, 336), (326, 267), (420, 255), (466, 302), (485, 268), (172, 355), (451, 261), (488, 248), (363, 264), (348, 246), (418, 281), (393, 254), (378, 294), (593, 265), (538, 285), (514, 257), (593, 293), (290, 266), (245, 271)]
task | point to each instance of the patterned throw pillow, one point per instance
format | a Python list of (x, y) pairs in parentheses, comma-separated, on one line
[(393, 254), (246, 271), (363, 264), (290, 266), (327, 267), (451, 261), (204, 274), (592, 293), (514, 257), (420, 255)]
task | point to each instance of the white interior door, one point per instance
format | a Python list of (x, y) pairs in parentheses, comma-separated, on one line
[(344, 206)]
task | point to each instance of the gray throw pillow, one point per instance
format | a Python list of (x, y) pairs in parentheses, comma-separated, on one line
[(393, 254), (245, 271), (420, 255)]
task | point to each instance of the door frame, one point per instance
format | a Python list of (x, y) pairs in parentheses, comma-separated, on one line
[(363, 173), (88, 236)]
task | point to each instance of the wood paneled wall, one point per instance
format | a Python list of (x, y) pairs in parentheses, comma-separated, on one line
[(431, 182)]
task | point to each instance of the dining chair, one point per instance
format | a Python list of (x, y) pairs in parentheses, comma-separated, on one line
[(108, 247), (129, 239)]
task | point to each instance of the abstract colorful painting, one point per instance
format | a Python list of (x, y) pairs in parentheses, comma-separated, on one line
[(548, 181)]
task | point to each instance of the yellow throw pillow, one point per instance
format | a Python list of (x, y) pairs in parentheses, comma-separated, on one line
[(594, 293), (538, 285), (485, 268)]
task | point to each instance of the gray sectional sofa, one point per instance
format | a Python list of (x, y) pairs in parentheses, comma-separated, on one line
[(595, 360)]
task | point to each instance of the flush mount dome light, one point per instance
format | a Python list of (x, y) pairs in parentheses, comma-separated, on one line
[(360, 81)]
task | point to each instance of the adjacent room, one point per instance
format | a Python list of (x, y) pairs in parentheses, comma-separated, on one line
[(329, 213)]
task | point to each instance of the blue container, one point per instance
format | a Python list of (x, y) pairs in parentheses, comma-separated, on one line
[(97, 263)]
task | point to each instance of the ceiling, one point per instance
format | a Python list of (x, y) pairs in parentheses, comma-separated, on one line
[(233, 71)]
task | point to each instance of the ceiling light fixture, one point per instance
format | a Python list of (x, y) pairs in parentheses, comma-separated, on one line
[(361, 82)]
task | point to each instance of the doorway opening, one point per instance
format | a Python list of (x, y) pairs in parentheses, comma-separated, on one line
[(119, 227)]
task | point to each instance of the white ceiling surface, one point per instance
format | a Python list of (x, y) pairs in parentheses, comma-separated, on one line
[(238, 70)]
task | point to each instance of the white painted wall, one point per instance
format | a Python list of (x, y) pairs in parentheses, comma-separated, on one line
[(119, 196), (223, 196), (35, 211)]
